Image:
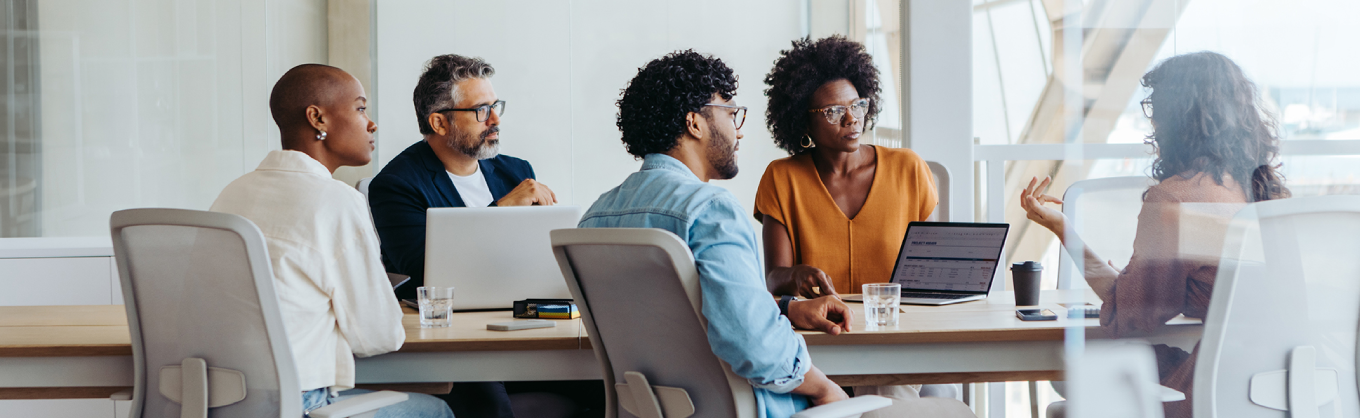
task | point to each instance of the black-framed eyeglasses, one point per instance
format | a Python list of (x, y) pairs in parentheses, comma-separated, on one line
[(1147, 107), (835, 114), (738, 115), (483, 111)]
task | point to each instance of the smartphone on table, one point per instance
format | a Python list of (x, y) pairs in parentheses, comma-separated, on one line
[(1035, 315)]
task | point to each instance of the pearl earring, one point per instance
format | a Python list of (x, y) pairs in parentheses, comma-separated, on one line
[(321, 136)]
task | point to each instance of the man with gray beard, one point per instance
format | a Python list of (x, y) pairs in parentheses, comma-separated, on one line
[(458, 164)]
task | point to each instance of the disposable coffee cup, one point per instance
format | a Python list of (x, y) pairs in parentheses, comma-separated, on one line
[(1025, 276)]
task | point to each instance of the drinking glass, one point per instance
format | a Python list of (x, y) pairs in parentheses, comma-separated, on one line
[(880, 304), (436, 306)]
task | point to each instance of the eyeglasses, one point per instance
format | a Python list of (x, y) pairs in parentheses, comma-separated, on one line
[(835, 114), (1147, 107), (483, 111), (738, 118)]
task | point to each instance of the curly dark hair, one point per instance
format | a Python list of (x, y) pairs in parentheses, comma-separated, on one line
[(437, 87), (800, 71), (652, 108), (1207, 118)]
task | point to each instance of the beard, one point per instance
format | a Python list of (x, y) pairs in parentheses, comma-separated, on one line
[(479, 148), (722, 154)]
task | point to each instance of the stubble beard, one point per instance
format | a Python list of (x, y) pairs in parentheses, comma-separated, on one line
[(722, 155)]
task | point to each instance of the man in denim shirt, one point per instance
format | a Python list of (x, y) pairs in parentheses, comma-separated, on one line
[(678, 115)]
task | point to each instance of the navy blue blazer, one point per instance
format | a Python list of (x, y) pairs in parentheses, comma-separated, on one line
[(415, 181)]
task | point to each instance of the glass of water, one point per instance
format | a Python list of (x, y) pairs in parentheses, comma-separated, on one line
[(436, 306), (880, 304)]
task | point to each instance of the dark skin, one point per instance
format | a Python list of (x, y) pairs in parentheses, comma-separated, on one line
[(846, 168), (694, 149), (340, 110)]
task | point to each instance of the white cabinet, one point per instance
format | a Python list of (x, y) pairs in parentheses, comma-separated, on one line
[(59, 271), (56, 281), (61, 408)]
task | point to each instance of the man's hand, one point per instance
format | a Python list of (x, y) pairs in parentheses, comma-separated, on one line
[(808, 277), (827, 314), (819, 389), (528, 192)]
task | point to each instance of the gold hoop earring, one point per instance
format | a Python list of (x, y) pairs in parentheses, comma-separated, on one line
[(809, 143), (321, 136)]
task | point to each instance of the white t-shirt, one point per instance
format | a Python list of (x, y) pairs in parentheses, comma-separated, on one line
[(473, 188)]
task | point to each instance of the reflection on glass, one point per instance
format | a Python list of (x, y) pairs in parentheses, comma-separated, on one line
[(1217, 151), (20, 111), (112, 105)]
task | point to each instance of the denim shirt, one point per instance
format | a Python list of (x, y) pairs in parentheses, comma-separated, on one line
[(745, 328)]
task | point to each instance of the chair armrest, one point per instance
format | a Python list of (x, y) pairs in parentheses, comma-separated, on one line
[(366, 403), (850, 408), (1169, 395)]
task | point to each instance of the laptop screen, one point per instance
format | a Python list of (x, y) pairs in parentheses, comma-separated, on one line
[(947, 256)]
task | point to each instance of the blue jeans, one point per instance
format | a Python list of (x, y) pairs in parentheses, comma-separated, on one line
[(419, 405)]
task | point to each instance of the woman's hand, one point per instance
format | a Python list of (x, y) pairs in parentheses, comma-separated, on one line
[(806, 278), (1033, 199)]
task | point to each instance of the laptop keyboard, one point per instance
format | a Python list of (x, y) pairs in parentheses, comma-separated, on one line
[(934, 295)]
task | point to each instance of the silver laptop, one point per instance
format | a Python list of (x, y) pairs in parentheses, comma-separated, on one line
[(495, 256), (943, 263)]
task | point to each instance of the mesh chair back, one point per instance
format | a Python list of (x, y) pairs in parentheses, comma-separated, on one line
[(199, 285), (1104, 214), (1281, 330), (638, 293)]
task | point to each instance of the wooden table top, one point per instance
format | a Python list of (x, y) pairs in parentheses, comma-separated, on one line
[(989, 320), (101, 330)]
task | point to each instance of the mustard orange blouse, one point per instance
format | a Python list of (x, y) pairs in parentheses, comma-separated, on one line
[(855, 251)]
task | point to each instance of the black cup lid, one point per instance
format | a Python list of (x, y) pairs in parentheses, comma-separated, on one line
[(1028, 265)]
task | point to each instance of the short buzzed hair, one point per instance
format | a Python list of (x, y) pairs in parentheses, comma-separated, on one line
[(438, 85), (302, 86)]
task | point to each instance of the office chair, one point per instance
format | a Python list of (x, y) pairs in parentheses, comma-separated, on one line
[(638, 292), (1104, 212), (1280, 335), (207, 337), (1110, 379), (362, 185), (940, 173)]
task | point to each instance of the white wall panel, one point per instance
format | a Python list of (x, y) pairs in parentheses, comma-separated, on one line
[(55, 281)]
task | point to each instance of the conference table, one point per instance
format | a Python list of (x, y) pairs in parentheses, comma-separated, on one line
[(57, 352)]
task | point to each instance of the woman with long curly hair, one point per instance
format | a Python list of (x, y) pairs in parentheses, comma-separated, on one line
[(1216, 152), (834, 211)]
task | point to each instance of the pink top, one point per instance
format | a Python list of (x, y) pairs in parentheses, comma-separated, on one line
[(1175, 260)]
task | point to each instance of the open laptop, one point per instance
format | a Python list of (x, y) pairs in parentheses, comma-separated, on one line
[(943, 263), (495, 256)]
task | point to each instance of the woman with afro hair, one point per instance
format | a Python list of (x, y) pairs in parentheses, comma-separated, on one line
[(834, 211)]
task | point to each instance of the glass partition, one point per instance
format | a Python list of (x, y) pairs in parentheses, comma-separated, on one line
[(1247, 100), (114, 105)]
